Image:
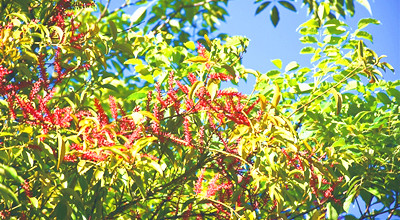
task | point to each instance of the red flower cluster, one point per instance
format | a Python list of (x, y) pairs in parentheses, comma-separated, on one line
[(323, 193), (220, 76), (61, 12)]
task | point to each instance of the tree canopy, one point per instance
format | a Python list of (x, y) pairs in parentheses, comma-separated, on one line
[(106, 115)]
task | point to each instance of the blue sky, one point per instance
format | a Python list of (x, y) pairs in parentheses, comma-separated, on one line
[(268, 43)]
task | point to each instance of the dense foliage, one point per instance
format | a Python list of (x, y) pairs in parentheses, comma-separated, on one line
[(110, 116)]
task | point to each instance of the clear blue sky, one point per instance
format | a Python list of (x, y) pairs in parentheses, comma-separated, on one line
[(283, 43)]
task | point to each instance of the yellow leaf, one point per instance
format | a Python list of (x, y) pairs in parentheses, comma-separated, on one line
[(207, 40), (149, 115), (212, 87), (263, 101), (61, 150), (196, 86), (277, 96), (197, 59)]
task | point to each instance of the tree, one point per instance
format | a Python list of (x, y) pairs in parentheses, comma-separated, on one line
[(110, 116)]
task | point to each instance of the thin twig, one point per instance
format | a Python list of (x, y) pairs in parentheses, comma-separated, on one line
[(326, 91)]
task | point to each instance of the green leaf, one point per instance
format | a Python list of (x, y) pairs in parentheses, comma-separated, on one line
[(116, 150), (307, 50), (349, 200), (287, 5), (338, 99), (6, 193), (360, 115), (304, 87), (375, 192), (366, 21), (113, 29), (139, 183), (365, 35), (136, 96), (388, 66), (277, 63), (274, 15), (312, 23), (190, 45), (291, 66), (61, 150), (350, 217), (360, 50), (262, 7), (339, 143), (10, 172), (383, 98), (395, 93), (350, 7), (308, 40), (273, 73), (230, 70), (331, 212), (30, 56)]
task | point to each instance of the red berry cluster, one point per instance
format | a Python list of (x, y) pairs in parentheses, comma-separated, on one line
[(27, 189)]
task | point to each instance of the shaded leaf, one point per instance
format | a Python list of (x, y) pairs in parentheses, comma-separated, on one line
[(6, 193), (262, 7), (113, 29), (383, 98), (274, 15), (287, 5), (338, 99)]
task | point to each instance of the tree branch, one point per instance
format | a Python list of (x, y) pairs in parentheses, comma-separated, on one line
[(395, 205)]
